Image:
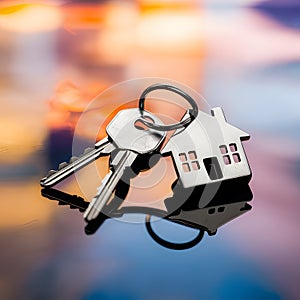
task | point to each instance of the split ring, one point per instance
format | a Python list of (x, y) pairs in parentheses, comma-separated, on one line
[(184, 123)]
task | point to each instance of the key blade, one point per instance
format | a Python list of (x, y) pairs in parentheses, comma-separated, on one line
[(124, 158), (65, 170), (94, 209)]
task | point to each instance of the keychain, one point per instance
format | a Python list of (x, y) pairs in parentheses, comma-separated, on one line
[(212, 169)]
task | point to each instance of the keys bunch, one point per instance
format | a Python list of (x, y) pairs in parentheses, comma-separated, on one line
[(212, 169)]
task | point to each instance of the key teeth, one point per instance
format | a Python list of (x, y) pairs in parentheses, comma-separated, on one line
[(51, 172), (73, 158), (87, 150), (62, 165)]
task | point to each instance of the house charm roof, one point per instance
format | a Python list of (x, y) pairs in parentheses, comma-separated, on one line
[(208, 150)]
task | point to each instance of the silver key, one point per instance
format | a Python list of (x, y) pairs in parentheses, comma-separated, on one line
[(103, 147), (132, 142)]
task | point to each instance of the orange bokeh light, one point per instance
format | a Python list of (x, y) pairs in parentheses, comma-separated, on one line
[(30, 17)]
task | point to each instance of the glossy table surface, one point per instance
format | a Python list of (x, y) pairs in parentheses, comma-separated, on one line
[(245, 60)]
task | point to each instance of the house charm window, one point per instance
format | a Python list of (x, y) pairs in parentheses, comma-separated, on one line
[(230, 154), (189, 161)]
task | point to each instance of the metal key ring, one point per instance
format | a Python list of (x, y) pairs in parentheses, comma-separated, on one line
[(184, 123), (171, 245)]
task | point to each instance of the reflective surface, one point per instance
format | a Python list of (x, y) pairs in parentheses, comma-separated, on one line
[(246, 60)]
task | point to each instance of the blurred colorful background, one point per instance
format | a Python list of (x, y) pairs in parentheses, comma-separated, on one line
[(56, 56)]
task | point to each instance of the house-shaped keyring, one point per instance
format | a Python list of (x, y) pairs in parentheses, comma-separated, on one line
[(208, 151)]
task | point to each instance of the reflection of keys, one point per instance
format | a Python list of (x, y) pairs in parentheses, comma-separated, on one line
[(103, 147), (131, 141), (74, 201)]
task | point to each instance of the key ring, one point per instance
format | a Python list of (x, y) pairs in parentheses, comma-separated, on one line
[(184, 123), (171, 245)]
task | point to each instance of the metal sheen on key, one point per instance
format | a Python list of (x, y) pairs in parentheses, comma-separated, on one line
[(132, 141), (103, 147)]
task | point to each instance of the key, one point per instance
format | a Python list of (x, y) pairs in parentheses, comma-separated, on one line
[(103, 147), (131, 141)]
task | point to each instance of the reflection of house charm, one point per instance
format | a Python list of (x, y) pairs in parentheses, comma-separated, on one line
[(208, 150), (211, 218)]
